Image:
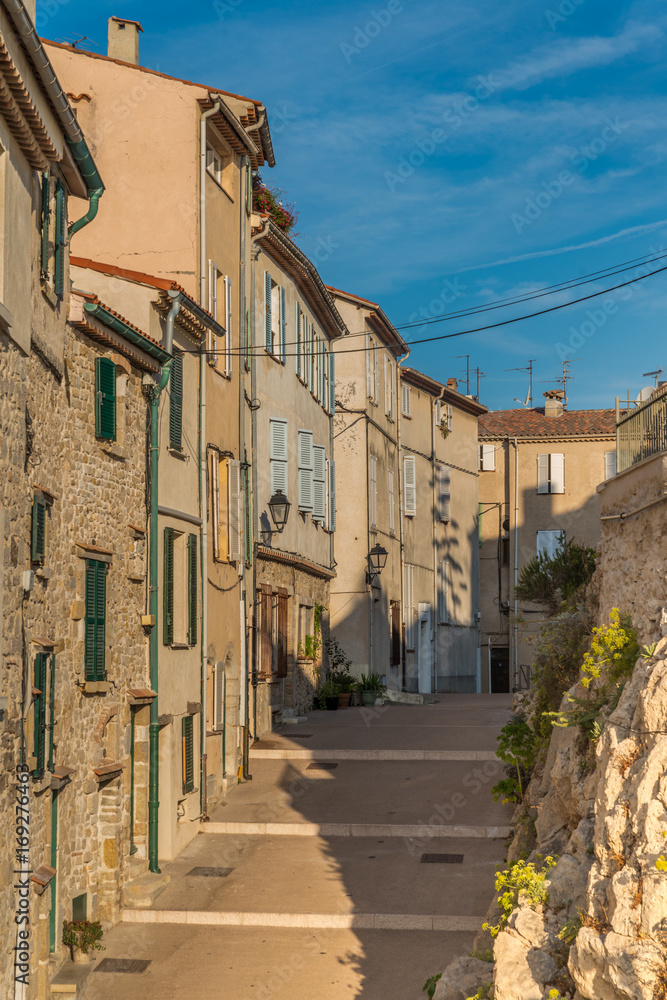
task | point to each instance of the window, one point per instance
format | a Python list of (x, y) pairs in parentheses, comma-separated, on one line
[(443, 592), (387, 387), (220, 166), (278, 455), (179, 593), (505, 550), (275, 340), (45, 225), (306, 471), (390, 494), (395, 633), (187, 742), (228, 326), (214, 276), (281, 616), (408, 605), (265, 602), (305, 626), (373, 491), (192, 590), (409, 487), (438, 413), (550, 473), (487, 458), (331, 466), (268, 312), (609, 464), (105, 396), (39, 751), (549, 542), (95, 620), (219, 684), (176, 402), (405, 400), (319, 483), (38, 542), (444, 492), (372, 388), (61, 240), (449, 416)]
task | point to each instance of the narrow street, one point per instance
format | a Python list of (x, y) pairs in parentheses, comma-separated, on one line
[(326, 895)]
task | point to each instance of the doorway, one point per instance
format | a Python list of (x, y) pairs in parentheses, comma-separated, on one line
[(500, 670), (424, 649)]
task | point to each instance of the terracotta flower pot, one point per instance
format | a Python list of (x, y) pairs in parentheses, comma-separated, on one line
[(344, 699)]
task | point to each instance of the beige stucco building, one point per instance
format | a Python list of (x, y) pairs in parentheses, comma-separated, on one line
[(439, 510), (539, 471)]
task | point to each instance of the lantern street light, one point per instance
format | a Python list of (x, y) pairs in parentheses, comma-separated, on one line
[(279, 506), (377, 560)]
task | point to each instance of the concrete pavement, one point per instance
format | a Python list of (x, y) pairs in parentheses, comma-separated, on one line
[(328, 896)]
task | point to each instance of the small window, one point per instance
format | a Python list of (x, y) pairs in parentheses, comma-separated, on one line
[(38, 542), (319, 483), (551, 473), (187, 740), (219, 692), (444, 493), (406, 400), (549, 543), (505, 549), (372, 386), (179, 591), (373, 490), (39, 706), (390, 493), (176, 402), (409, 605), (105, 396), (609, 464), (95, 621), (220, 166), (487, 458)]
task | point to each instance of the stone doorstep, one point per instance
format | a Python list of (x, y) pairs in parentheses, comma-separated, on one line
[(356, 830), (69, 982), (142, 892), (392, 755), (323, 921)]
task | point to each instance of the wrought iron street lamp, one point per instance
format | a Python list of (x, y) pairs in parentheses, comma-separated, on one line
[(377, 560), (279, 506)]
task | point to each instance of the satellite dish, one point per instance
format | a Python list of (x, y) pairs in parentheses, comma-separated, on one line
[(645, 394)]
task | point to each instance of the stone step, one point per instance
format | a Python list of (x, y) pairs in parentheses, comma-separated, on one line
[(281, 753), (321, 921), (356, 830), (70, 981), (142, 892)]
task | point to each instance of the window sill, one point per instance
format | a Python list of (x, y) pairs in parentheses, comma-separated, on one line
[(136, 577), (43, 573), (178, 453), (179, 645), (95, 687), (224, 375), (116, 450)]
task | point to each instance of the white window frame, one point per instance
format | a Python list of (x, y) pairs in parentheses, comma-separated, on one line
[(444, 493), (305, 496), (406, 400), (319, 484), (551, 473), (487, 458), (609, 464), (373, 496), (228, 325), (218, 696), (550, 541), (278, 456), (392, 505)]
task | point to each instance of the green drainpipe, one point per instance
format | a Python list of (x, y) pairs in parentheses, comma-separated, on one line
[(54, 857), (92, 179)]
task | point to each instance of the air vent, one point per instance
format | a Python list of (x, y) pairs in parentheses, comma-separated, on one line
[(321, 766), (210, 872), (131, 965), (442, 859)]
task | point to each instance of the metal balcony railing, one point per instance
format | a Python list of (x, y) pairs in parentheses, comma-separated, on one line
[(642, 431)]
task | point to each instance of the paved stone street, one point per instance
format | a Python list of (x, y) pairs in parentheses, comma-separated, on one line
[(327, 897)]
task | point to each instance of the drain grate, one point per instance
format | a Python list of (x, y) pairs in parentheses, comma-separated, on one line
[(131, 965), (442, 859), (298, 736), (211, 872), (321, 766)]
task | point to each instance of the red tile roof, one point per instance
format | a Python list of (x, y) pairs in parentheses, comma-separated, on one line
[(534, 424)]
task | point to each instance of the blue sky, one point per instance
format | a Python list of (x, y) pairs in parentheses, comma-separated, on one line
[(442, 156)]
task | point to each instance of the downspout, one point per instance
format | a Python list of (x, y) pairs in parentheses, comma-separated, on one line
[(516, 560), (203, 546), (243, 332), (154, 728), (399, 480), (434, 530)]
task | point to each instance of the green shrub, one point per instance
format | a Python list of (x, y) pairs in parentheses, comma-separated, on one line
[(83, 934), (485, 992), (523, 880), (517, 748), (552, 581)]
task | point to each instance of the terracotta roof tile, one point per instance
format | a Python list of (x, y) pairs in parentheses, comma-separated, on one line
[(534, 424)]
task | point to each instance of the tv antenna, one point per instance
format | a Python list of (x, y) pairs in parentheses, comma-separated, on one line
[(529, 369), (79, 40), (564, 378), (653, 375), (467, 357), (480, 374)]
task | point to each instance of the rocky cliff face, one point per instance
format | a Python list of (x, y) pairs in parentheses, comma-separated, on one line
[(606, 821)]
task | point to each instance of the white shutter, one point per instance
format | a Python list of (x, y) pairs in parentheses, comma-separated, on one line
[(450, 416), (332, 495), (405, 396), (542, 473), (609, 464), (438, 412), (444, 492), (283, 327), (278, 454), (549, 542), (228, 326), (268, 318), (557, 473), (298, 338), (387, 396), (543, 542), (215, 501), (373, 497), (211, 339), (376, 381), (319, 483), (487, 457), (392, 383), (235, 508), (408, 606), (409, 487), (390, 492), (311, 377), (369, 374), (332, 383), (218, 696), (306, 470), (443, 592)]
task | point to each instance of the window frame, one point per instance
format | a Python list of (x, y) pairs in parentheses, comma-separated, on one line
[(95, 640)]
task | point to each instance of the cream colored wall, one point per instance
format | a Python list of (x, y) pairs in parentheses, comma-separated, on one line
[(16, 235)]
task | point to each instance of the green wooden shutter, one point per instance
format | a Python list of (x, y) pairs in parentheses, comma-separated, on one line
[(38, 530), (332, 383), (168, 588), (61, 240), (188, 754), (95, 621), (283, 327), (52, 710), (176, 402), (105, 395), (46, 214), (40, 714), (192, 590), (298, 339)]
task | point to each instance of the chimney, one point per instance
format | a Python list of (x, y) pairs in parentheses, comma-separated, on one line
[(124, 40), (553, 405), (453, 384)]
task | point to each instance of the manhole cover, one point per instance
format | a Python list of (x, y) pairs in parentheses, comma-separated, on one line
[(123, 965), (442, 859), (321, 766), (211, 872)]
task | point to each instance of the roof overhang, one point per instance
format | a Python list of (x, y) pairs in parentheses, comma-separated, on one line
[(107, 327), (377, 320)]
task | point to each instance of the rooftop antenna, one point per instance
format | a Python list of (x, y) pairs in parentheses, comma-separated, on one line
[(480, 374), (78, 41), (564, 378), (653, 375), (529, 369), (467, 357)]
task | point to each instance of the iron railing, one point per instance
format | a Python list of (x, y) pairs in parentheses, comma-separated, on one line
[(642, 431)]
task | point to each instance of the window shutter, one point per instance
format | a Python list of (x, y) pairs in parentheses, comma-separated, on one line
[(609, 464), (278, 455), (105, 396), (487, 457), (61, 239), (283, 327), (390, 492), (298, 339), (373, 496), (409, 487), (213, 288), (450, 416), (95, 621), (322, 380), (311, 367), (376, 381), (38, 529), (405, 389), (408, 607), (235, 511), (444, 491), (387, 397), (228, 326), (192, 590), (168, 588), (40, 715), (283, 608), (332, 383), (215, 502), (218, 697), (268, 318), (549, 542), (319, 483), (557, 473), (438, 412), (187, 738), (247, 532), (46, 214), (306, 470), (176, 402), (392, 389), (542, 473), (332, 495), (369, 370), (265, 629)]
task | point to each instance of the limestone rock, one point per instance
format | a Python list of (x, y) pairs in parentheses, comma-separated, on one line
[(522, 971), (462, 978)]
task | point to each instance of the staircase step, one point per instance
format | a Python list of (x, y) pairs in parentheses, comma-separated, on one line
[(356, 830), (142, 892), (69, 982), (321, 921), (280, 753)]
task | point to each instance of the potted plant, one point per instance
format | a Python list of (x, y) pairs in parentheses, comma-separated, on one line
[(82, 937), (339, 666), (345, 683), (327, 696), (371, 686)]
